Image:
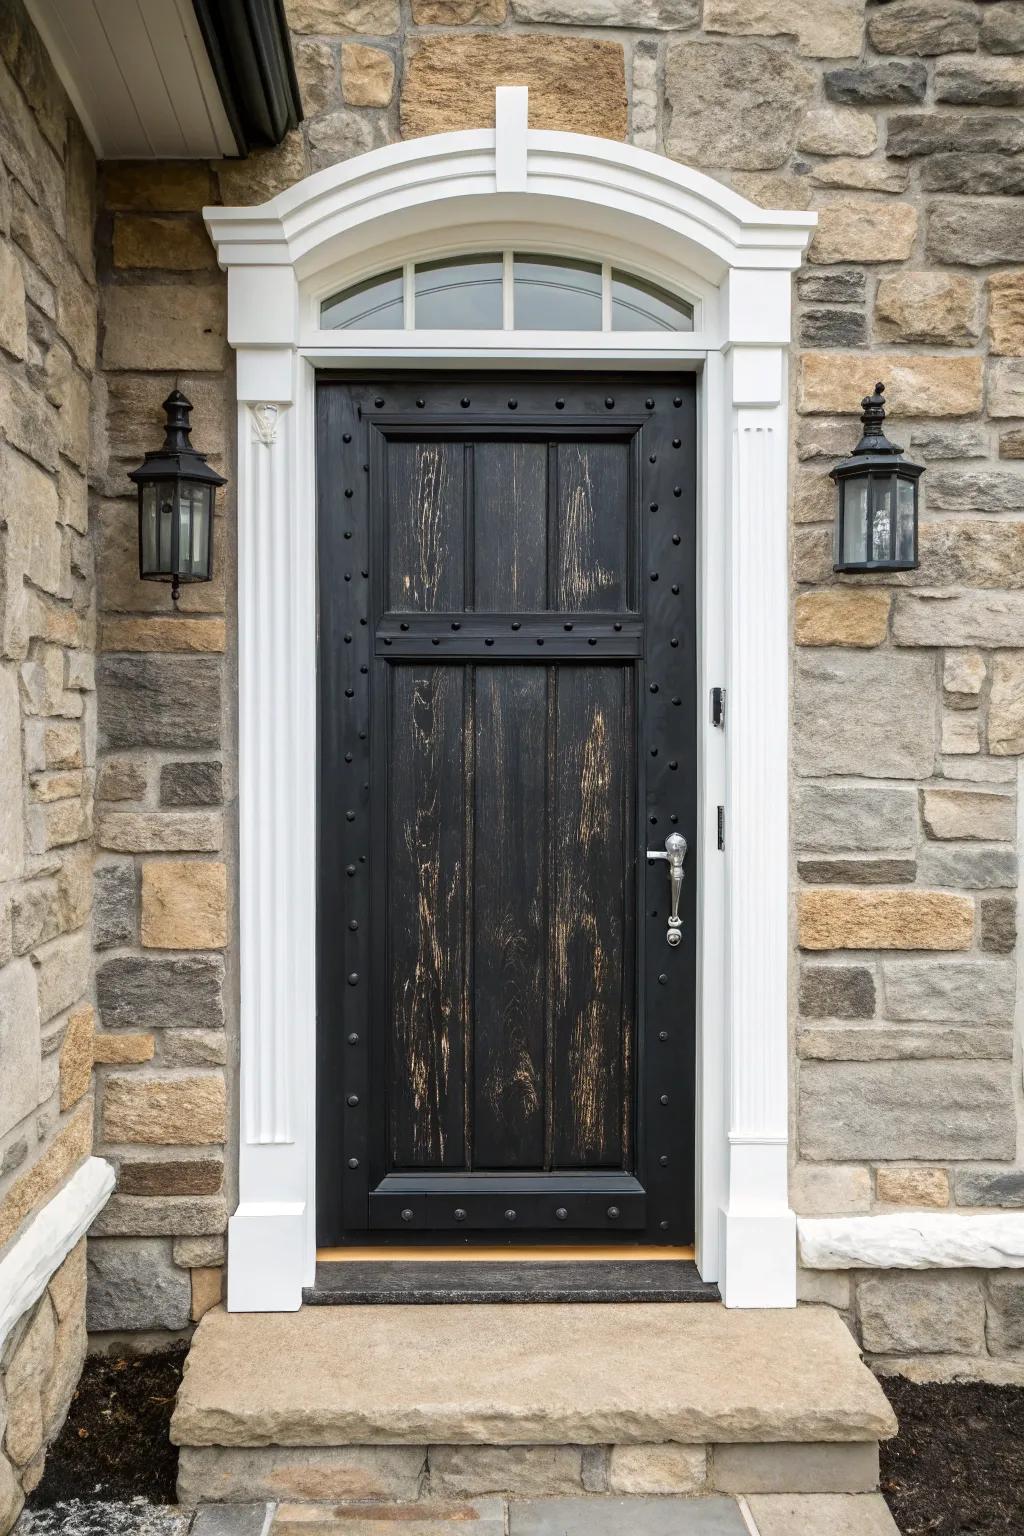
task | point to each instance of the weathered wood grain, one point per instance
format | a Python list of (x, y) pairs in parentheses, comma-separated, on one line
[(510, 516), (425, 526), (593, 521)]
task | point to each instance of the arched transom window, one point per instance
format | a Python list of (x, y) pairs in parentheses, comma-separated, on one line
[(506, 290)]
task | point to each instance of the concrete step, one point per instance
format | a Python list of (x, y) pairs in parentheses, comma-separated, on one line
[(402, 1403)]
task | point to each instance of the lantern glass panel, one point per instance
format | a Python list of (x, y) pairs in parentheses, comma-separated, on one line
[(855, 520), (883, 519), (157, 521), (905, 509), (194, 529)]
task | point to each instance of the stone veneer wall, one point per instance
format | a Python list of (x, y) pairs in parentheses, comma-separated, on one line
[(900, 122), (48, 305)]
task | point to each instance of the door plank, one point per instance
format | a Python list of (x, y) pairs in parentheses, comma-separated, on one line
[(510, 506), (509, 944), (425, 917), (593, 527), (425, 526), (593, 882)]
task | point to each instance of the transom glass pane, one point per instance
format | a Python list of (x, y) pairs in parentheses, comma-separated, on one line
[(463, 294), (555, 293), (375, 304), (641, 306)]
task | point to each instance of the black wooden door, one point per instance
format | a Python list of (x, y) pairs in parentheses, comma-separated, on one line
[(507, 724)]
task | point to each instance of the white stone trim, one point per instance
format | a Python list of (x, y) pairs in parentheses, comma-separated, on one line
[(39, 1251), (489, 188), (915, 1240)]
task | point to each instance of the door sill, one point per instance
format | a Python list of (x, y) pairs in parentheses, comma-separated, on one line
[(521, 1253), (421, 1282)]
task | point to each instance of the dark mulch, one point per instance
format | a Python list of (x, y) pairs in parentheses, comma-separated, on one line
[(115, 1443), (957, 1464)]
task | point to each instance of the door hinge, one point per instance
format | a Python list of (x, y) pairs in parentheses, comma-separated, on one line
[(718, 707), (721, 827)]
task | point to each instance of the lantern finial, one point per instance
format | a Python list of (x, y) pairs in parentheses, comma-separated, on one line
[(872, 418)]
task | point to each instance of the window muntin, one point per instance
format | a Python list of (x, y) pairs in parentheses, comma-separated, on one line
[(520, 291)]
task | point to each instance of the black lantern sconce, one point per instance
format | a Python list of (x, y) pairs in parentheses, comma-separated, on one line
[(177, 490), (876, 520)]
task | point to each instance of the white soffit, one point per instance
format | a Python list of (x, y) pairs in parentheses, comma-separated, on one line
[(139, 76)]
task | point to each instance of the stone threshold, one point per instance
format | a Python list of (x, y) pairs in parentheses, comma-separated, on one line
[(562, 1375), (392, 1282)]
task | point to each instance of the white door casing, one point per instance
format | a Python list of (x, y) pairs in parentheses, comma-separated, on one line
[(575, 195)]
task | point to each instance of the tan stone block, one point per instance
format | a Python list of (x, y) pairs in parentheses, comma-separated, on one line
[(1011, 444), (266, 172), (837, 131), (819, 1190), (184, 904), (174, 1176), (861, 175), (912, 1186), (76, 316), (1006, 388), (385, 1475), (164, 187), (165, 1111), (835, 382), (458, 13), (160, 831), (76, 1056), (116, 1050), (769, 189), (367, 75), (207, 1285), (813, 497), (170, 325), (822, 1287), (525, 1471), (852, 229), (1006, 705), (171, 245), (927, 306), (121, 779), (68, 1147), (963, 673), (971, 815), (657, 1469), (334, 18), (853, 919), (13, 322), (67, 1284), (1006, 313), (57, 786), (831, 29), (960, 733), (577, 84), (62, 744), (842, 616)]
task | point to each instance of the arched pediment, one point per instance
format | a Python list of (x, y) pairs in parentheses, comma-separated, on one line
[(513, 175)]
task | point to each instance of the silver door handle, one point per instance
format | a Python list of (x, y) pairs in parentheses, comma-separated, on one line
[(674, 854)]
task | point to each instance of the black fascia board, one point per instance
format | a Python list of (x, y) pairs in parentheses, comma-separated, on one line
[(251, 56)]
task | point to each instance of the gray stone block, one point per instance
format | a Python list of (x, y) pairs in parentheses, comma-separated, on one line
[(159, 701), (483, 1517), (703, 81), (865, 712), (950, 442), (192, 784), (949, 991), (983, 174), (1004, 1327), (993, 233), (114, 905), (974, 490), (930, 133), (968, 869), (833, 328), (637, 1516), (938, 1313), (822, 1514), (233, 1520), (821, 1468), (847, 286), (524, 1471), (979, 83), (903, 1042), (139, 993), (883, 84), (1002, 28), (162, 1216), (837, 992), (834, 818), (852, 1111), (134, 1283), (857, 871), (977, 1186)]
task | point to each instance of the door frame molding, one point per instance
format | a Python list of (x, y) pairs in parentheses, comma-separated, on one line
[(579, 195)]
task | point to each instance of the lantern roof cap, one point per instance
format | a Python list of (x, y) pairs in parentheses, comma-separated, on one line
[(875, 451), (176, 459)]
